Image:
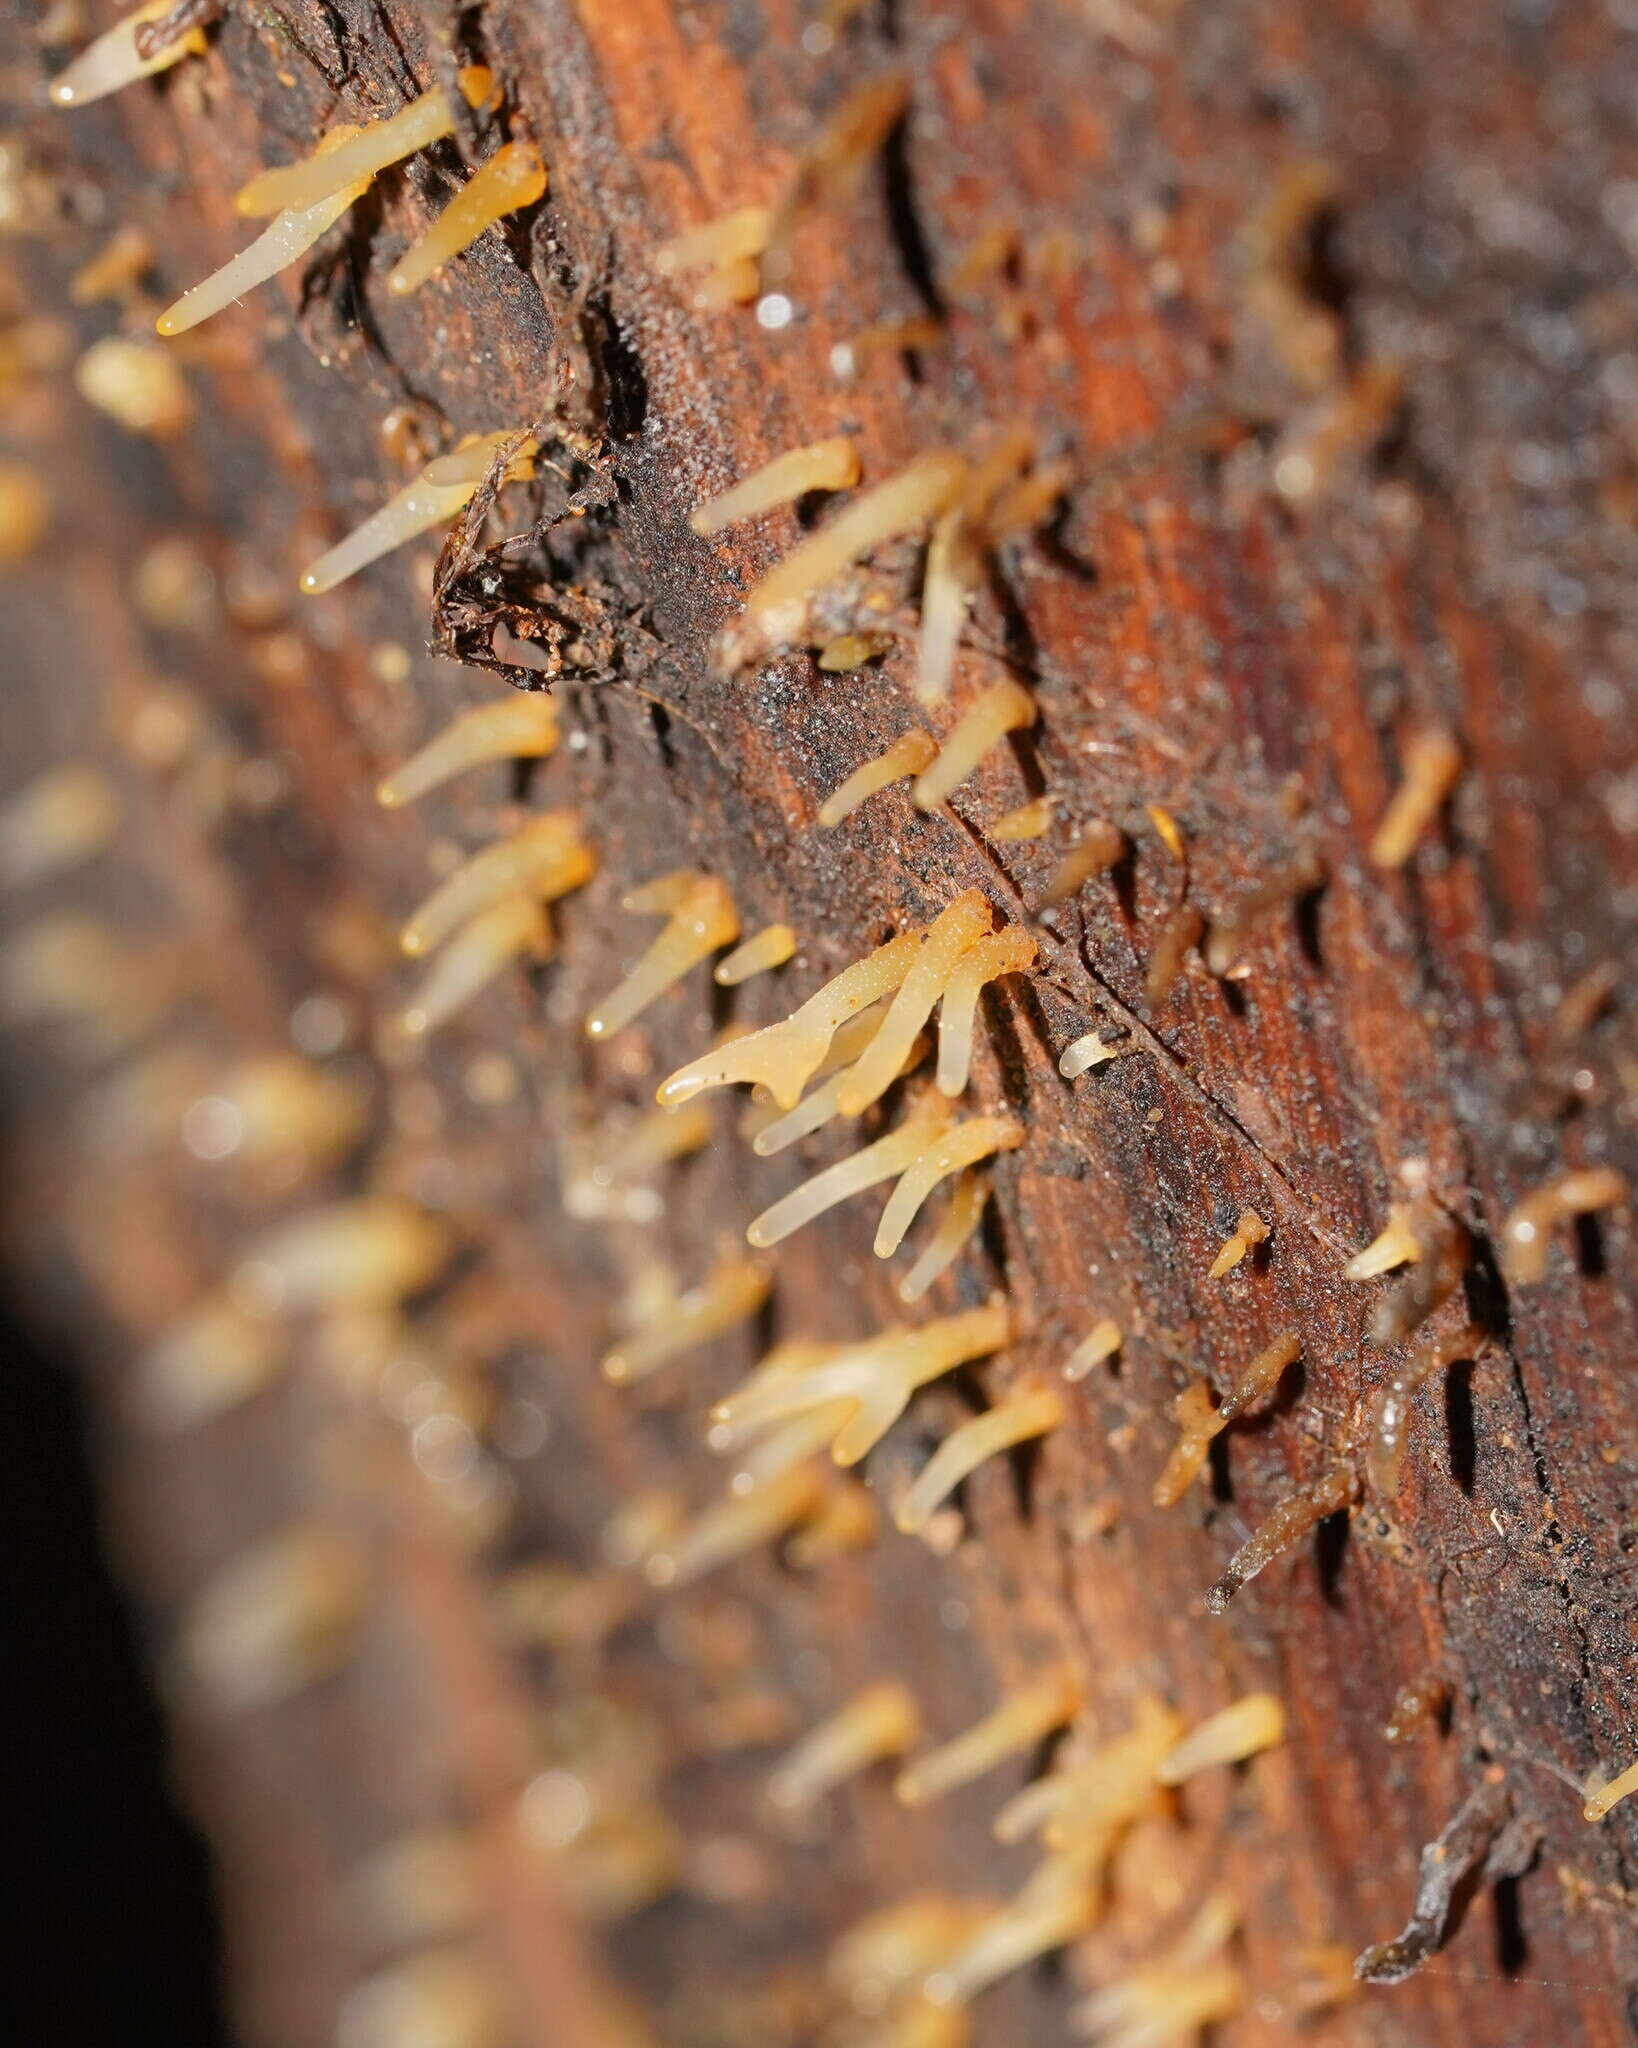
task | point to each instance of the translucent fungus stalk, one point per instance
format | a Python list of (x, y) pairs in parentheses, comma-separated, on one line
[(59, 821), (951, 934), (278, 1106), (1099, 847), (1101, 1342), (907, 756), (734, 1527), (1199, 1422), (368, 1252), (1227, 936), (1603, 1796), (822, 1105), (845, 1520), (1422, 1700), (1056, 1905), (425, 120), (703, 921), (735, 1290), (291, 234), (514, 177), (835, 161), (963, 1145), (1396, 1244), (903, 504), (520, 727), (1432, 761), (880, 1722), (443, 487), (1006, 952), (1253, 1723), (1334, 1489), (136, 384), (956, 1230), (1525, 1234), (1443, 1253), (75, 968), (955, 562), (1095, 1790), (1385, 1457), (1003, 708), (1084, 1053), (1018, 1724), (784, 1057), (1029, 1411), (276, 1619), (1180, 931), (489, 942), (722, 245), (439, 1999), (111, 62), (1028, 821), (820, 466), (655, 1140), (1249, 1232), (764, 950), (545, 859), (1191, 1987), (886, 1158), (213, 1360), (887, 1953), (787, 1445)]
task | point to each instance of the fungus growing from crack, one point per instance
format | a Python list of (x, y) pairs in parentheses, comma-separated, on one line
[(1397, 1243), (1603, 1795), (656, 1138), (1484, 1842), (1101, 1342), (540, 862), (513, 929), (521, 727), (1056, 1904), (820, 1105), (956, 1229), (291, 234), (955, 559), (1168, 2002), (1581, 1191), (442, 489), (60, 820), (725, 250), (276, 1619), (764, 950), (1226, 936), (886, 1955), (1444, 1251), (951, 935), (1252, 1723), (513, 178), (736, 1526), (1179, 932), (819, 466), (1004, 707), (1097, 1788), (1024, 1719), (1334, 1488), (733, 1291), (884, 1159), (907, 756), (1097, 849), (111, 62), (368, 1251), (1028, 821), (1249, 1232), (880, 1722), (1031, 1410), (1431, 762), (1199, 1422), (700, 920), (949, 1151), (1391, 1416), (426, 119), (1004, 952)]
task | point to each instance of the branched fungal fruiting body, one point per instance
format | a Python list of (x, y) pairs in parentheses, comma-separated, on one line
[(1096, 1788), (951, 1151), (907, 756), (950, 936), (887, 1954), (1101, 1342), (880, 1722), (956, 1229), (275, 1619), (736, 1526), (1057, 1904), (1251, 1724), (764, 950), (1199, 1422), (1386, 1455), (1002, 708), (1249, 1232), (821, 1105), (885, 1159), (112, 62), (701, 920), (1191, 1987), (1443, 1253), (1334, 1489), (370, 1251), (1029, 1411), (820, 466), (543, 860), (522, 727), (955, 561), (443, 487), (1006, 952), (488, 942), (59, 821), (1432, 762), (1021, 1721), (513, 178), (425, 120), (1579, 1192), (1396, 1244), (735, 1290), (291, 234)]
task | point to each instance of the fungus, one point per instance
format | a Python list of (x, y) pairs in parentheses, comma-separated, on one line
[(136, 385), (1098, 1788), (1333, 1489), (820, 466), (908, 755), (1005, 952), (58, 821), (1177, 934), (1028, 821), (883, 337), (850, 651), (655, 1140), (1251, 1230), (116, 271), (1030, 1410), (1022, 506), (25, 511), (75, 968), (369, 1251), (1482, 1843), (726, 250), (1253, 1723), (1171, 833), (887, 1157), (443, 487), (439, 1999), (734, 1527), (947, 1152), (540, 862), (956, 1230), (764, 950), (291, 234), (701, 920), (275, 1619), (425, 120), (1171, 2000), (1278, 239), (1098, 848), (734, 1290), (516, 728), (1396, 1244), (1226, 936), (492, 940), (112, 62), (880, 1722), (787, 1444), (1199, 1422), (904, 503), (276, 1107), (210, 1362), (1021, 1721), (1579, 1192), (421, 1886), (820, 1106), (1003, 708), (1102, 1342), (955, 561), (1444, 1250), (1086, 1052), (885, 1955), (1603, 1795), (1386, 1454), (513, 178), (1431, 763), (951, 935), (1057, 1904)]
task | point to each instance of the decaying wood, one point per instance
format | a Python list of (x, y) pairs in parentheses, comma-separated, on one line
[(1334, 316)]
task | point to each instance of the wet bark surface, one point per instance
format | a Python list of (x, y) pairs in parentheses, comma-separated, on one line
[(1261, 585)]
